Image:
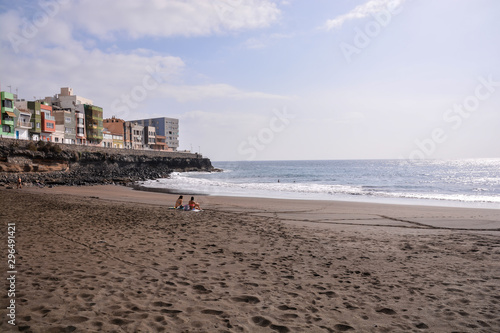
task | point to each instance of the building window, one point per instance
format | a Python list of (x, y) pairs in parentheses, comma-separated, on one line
[(67, 119), (50, 125), (7, 103)]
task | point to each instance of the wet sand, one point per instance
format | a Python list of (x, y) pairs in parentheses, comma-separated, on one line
[(111, 259)]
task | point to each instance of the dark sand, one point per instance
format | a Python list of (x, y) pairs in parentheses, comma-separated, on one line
[(110, 259)]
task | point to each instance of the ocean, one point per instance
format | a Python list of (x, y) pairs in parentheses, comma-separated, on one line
[(454, 183)]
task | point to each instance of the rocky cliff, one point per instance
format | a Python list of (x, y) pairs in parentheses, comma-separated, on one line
[(58, 164)]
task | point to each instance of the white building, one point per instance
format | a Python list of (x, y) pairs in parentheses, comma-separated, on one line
[(67, 100), (23, 123), (58, 135), (107, 138)]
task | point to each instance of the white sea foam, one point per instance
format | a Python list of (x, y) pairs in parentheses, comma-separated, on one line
[(193, 183)]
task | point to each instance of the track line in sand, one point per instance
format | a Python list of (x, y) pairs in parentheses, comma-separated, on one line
[(351, 221)]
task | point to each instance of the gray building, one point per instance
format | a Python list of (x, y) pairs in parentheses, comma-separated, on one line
[(167, 127), (133, 133), (67, 118)]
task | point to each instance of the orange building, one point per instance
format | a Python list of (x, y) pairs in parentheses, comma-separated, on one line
[(48, 122)]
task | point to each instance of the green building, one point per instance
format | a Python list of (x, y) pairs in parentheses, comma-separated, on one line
[(36, 120), (7, 119), (93, 124)]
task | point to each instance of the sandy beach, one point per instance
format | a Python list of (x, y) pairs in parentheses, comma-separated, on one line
[(112, 259)]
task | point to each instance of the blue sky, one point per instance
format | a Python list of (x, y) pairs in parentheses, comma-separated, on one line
[(266, 80)]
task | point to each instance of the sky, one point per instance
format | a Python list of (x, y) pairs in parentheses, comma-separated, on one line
[(273, 79)]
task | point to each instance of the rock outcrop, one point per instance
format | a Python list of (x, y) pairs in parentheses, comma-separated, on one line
[(59, 164)]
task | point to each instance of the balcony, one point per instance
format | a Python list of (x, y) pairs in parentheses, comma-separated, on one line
[(8, 117), (24, 123)]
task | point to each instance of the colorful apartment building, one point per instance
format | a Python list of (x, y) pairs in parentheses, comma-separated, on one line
[(93, 124), (118, 141), (66, 124), (36, 120), (71, 119), (115, 126), (23, 123), (81, 135), (107, 138), (7, 123), (48, 122), (67, 100)]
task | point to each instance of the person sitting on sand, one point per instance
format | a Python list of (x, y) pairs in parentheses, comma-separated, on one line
[(194, 205), (178, 203)]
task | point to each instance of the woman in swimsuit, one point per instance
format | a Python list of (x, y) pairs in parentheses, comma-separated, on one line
[(194, 205), (178, 203)]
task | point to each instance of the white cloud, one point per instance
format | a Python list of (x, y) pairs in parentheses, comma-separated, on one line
[(101, 76), (227, 119), (51, 57), (158, 18), (369, 8), (264, 41), (197, 92), (254, 43)]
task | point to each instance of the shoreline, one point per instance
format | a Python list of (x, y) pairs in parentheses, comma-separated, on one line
[(361, 198), (433, 217), (113, 259)]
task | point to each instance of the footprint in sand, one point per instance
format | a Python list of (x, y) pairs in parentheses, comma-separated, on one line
[(286, 307), (387, 311), (329, 294), (246, 299), (201, 289), (170, 312), (290, 316), (261, 321), (120, 322), (343, 328), (77, 319), (280, 329), (212, 312), (162, 304), (67, 329)]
